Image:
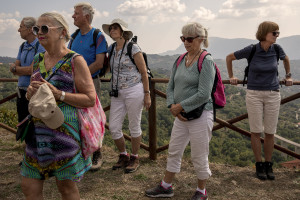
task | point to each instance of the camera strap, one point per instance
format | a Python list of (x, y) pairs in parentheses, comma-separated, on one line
[(112, 75)]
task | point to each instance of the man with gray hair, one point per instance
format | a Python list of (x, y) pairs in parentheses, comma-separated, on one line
[(92, 45), (23, 65)]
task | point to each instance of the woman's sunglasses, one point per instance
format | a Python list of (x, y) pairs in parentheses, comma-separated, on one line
[(275, 33), (188, 39), (44, 29), (114, 26)]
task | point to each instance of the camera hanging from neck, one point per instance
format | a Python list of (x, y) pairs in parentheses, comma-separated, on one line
[(112, 76)]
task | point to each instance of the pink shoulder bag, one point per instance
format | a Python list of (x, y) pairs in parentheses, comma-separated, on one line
[(91, 124)]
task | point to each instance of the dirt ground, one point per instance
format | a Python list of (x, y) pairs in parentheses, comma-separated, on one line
[(227, 182)]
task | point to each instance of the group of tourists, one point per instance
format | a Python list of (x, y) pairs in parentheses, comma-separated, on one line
[(57, 151)]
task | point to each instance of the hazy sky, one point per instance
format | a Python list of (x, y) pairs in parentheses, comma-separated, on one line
[(158, 22)]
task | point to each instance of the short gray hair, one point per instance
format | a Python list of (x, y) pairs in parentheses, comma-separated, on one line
[(87, 9), (29, 21), (59, 20), (194, 28)]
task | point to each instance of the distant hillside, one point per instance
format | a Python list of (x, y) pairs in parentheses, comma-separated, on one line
[(221, 47), (7, 59)]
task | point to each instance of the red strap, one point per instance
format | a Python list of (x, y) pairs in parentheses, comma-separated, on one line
[(180, 59)]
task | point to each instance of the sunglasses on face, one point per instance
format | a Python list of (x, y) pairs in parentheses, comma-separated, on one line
[(188, 39), (44, 29), (114, 26), (275, 33)]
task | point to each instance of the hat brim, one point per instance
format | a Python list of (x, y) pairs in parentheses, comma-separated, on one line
[(105, 28), (56, 120)]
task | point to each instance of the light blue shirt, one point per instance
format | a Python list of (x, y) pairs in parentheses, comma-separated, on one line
[(82, 45), (26, 58)]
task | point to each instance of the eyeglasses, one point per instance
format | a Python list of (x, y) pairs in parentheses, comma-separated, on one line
[(188, 39), (44, 29), (114, 26), (276, 33)]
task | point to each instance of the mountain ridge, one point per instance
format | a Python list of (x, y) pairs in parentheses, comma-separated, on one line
[(216, 46)]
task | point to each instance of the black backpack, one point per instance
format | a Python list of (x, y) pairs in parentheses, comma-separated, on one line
[(253, 50), (129, 53), (95, 34)]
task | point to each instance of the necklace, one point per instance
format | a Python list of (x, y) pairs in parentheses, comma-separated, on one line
[(188, 63)]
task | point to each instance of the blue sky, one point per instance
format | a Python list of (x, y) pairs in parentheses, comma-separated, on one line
[(158, 22)]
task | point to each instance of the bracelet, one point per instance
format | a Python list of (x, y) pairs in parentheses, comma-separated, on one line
[(288, 75), (62, 97), (148, 91)]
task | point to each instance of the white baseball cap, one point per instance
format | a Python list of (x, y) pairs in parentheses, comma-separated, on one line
[(43, 105)]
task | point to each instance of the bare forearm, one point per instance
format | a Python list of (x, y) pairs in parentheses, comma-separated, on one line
[(286, 64), (23, 71), (77, 99), (229, 66), (145, 81), (94, 67)]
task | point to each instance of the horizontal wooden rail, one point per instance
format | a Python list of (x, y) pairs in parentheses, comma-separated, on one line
[(152, 148), (8, 98), (248, 134), (8, 128)]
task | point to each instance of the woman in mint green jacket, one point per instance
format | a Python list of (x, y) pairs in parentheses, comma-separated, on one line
[(189, 95)]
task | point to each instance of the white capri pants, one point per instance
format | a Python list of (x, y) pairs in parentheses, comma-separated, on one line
[(130, 101), (263, 110), (198, 132)]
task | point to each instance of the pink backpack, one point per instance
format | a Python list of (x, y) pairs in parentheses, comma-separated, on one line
[(217, 94)]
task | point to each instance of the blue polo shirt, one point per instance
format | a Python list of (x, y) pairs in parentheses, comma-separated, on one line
[(82, 45), (26, 58), (263, 67)]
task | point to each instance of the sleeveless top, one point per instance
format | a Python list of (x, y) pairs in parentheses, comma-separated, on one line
[(56, 152)]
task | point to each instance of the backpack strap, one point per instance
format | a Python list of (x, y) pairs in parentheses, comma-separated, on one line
[(202, 56), (22, 46), (276, 47), (129, 51), (73, 36), (111, 51), (36, 47), (95, 35), (179, 59), (253, 50)]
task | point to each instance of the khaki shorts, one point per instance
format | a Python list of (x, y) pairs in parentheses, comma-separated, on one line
[(263, 110)]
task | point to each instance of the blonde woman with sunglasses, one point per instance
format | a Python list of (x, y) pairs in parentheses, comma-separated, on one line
[(56, 151), (189, 92), (263, 96)]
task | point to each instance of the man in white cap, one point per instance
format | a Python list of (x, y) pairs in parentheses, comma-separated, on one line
[(92, 45)]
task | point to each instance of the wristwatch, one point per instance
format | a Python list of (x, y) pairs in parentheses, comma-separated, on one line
[(148, 91), (14, 69), (288, 75), (62, 97)]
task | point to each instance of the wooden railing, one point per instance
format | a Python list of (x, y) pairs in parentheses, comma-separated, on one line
[(152, 147)]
